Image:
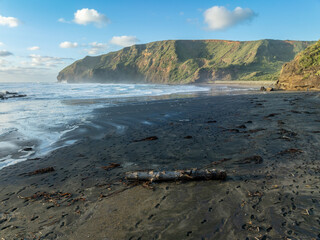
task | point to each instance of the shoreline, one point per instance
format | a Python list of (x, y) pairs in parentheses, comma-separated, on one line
[(247, 83), (69, 132), (275, 198)]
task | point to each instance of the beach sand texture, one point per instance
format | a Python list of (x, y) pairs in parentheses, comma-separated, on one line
[(268, 144)]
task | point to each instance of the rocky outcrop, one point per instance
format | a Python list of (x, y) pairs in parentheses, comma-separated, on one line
[(6, 95), (186, 61), (303, 73)]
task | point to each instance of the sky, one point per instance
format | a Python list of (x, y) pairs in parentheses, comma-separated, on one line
[(38, 38)]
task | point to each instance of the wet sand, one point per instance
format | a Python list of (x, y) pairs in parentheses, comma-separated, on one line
[(268, 144)]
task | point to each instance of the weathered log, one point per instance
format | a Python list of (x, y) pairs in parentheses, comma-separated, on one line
[(189, 175)]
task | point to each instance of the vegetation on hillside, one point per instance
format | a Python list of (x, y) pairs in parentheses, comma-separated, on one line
[(303, 72), (310, 57), (187, 61)]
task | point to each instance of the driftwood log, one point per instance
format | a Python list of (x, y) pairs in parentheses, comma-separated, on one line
[(189, 175)]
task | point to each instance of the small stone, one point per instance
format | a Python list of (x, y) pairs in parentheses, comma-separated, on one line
[(263, 89), (27, 149)]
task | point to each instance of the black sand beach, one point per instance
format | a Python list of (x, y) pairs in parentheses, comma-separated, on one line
[(267, 143)]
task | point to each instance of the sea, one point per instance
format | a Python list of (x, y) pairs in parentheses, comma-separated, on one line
[(39, 123)]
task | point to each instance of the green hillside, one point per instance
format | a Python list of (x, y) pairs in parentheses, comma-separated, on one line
[(186, 61), (303, 72)]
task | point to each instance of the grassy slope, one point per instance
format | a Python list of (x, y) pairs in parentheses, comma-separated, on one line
[(303, 72), (187, 61), (310, 58)]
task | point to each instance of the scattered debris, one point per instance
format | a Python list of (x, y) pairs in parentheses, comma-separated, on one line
[(184, 120), (110, 166), (286, 134), (76, 200), (253, 159), (34, 159), (41, 171), (255, 194), (285, 138), (306, 212), (272, 115), (54, 198), (189, 175), (291, 150), (242, 126), (101, 196), (251, 228), (147, 185), (221, 161), (28, 149), (211, 121), (188, 137), (232, 130), (152, 138)]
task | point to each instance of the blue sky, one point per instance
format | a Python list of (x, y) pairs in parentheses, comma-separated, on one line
[(39, 38)]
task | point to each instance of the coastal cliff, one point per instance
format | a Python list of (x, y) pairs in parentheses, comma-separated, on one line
[(303, 72), (186, 61)]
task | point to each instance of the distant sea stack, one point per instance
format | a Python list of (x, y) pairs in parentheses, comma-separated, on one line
[(186, 61), (303, 72)]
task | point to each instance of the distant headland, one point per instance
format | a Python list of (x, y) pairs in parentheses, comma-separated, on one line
[(187, 61)]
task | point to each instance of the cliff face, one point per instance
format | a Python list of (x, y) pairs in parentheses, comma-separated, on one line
[(303, 72), (186, 61)]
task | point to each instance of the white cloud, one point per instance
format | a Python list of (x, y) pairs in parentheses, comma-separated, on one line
[(9, 21), (86, 16), (124, 41), (62, 20), (32, 68), (47, 61), (34, 48), (1, 43), (14, 73), (219, 18), (5, 53), (3, 62), (68, 44), (96, 48)]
